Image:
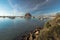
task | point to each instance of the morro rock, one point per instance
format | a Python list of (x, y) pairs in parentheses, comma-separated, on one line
[(28, 15)]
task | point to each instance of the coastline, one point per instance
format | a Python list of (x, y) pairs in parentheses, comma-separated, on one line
[(30, 35)]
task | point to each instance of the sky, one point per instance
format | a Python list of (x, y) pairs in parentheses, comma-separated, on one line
[(35, 7)]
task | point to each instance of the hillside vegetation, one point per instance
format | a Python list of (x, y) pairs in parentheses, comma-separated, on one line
[(51, 30)]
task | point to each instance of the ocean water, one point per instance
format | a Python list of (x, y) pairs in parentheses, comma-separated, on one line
[(11, 28)]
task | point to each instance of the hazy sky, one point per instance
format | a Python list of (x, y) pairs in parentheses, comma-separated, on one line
[(35, 7)]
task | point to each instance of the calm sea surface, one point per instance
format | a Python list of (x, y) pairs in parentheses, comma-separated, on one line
[(10, 28)]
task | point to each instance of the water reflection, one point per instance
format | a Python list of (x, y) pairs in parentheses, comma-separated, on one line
[(10, 29)]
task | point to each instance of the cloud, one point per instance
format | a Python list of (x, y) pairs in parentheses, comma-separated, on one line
[(29, 9), (15, 8), (17, 13), (39, 5), (10, 3), (5, 13)]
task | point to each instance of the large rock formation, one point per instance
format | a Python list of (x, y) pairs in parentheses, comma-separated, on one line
[(28, 15)]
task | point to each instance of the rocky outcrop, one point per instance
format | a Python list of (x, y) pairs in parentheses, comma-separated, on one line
[(33, 35), (28, 15)]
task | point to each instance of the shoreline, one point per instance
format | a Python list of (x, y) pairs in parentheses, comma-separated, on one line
[(29, 35)]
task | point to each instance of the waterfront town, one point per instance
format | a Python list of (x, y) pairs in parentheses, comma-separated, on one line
[(28, 15)]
